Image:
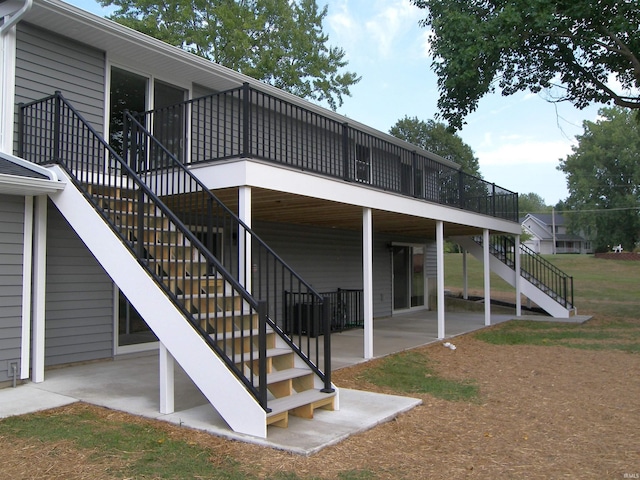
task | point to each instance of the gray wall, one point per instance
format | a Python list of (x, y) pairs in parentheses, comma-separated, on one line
[(79, 305), (46, 62), (11, 244), (330, 259)]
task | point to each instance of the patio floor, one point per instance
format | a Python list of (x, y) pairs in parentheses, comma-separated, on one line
[(130, 384)]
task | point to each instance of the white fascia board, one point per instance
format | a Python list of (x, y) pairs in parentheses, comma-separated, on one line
[(271, 177), (15, 185)]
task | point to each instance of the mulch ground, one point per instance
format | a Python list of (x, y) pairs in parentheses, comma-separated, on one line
[(543, 413)]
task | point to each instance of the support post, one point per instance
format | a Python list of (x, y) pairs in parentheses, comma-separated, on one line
[(39, 287), (440, 273), (367, 277), (167, 389), (244, 240), (27, 282), (516, 257), (465, 275), (487, 276)]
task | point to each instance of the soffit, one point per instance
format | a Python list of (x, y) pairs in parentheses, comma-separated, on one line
[(281, 207)]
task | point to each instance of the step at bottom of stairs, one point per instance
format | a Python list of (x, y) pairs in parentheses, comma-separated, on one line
[(300, 404)]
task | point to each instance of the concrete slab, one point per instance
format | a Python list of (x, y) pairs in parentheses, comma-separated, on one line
[(131, 384)]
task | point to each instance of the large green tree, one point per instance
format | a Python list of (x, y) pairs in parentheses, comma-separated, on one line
[(532, 203), (603, 178), (280, 42), (436, 138), (575, 49)]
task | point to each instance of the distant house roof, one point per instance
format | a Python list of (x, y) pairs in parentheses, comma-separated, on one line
[(546, 218)]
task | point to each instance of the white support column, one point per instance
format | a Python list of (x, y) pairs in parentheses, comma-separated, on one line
[(486, 259), (465, 275), (167, 397), (39, 287), (7, 88), (27, 281), (367, 280), (244, 241), (440, 273), (517, 267)]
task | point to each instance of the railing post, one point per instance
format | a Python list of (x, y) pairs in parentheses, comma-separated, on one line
[(21, 129), (246, 124), (345, 152), (262, 354), (460, 189), (326, 324), (56, 127), (125, 140), (493, 199)]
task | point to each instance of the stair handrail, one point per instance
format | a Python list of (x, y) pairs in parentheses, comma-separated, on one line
[(84, 168), (131, 120), (547, 276)]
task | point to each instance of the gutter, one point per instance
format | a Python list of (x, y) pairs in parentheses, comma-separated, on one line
[(15, 17)]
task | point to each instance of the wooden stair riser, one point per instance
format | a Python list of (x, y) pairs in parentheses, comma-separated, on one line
[(220, 323), (245, 343), (191, 285), (178, 268), (306, 411), (214, 303)]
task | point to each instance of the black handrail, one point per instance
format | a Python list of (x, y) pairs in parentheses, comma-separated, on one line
[(246, 122), (52, 131), (534, 268), (265, 277)]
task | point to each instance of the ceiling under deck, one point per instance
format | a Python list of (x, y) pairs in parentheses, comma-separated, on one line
[(279, 207)]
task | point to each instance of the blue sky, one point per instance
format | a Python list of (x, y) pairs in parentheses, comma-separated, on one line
[(518, 139)]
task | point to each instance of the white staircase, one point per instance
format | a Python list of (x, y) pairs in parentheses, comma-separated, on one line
[(293, 388), (529, 286)]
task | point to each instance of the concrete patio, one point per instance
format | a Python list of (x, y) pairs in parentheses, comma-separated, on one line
[(130, 384)]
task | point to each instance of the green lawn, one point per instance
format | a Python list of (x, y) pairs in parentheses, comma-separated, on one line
[(601, 287)]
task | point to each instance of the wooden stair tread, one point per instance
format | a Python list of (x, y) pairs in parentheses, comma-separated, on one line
[(287, 374), (280, 405)]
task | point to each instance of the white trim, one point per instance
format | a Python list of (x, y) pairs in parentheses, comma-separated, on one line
[(486, 259), (518, 281), (440, 275), (27, 272), (367, 280), (257, 174), (244, 241), (39, 289), (167, 384)]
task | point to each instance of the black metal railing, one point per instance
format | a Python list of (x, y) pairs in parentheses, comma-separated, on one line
[(247, 122), (534, 268), (171, 223), (345, 306)]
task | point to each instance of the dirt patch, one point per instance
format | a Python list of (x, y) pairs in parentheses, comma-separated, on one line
[(544, 412)]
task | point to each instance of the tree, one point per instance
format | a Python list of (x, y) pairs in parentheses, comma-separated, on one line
[(280, 42), (603, 178), (531, 203), (436, 138), (576, 46)]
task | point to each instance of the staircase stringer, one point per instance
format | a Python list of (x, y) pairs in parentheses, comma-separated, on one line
[(508, 274), (219, 385)]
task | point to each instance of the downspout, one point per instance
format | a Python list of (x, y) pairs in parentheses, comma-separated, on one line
[(7, 75)]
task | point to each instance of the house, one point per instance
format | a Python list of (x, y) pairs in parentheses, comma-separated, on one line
[(549, 235), (226, 224)]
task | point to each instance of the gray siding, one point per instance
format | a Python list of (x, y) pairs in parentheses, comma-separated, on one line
[(11, 244), (329, 259), (47, 62), (79, 305)]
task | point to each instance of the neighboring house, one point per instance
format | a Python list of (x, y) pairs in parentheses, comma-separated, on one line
[(547, 228), (113, 242)]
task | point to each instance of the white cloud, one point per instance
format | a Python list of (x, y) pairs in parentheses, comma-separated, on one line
[(390, 22), (511, 153)]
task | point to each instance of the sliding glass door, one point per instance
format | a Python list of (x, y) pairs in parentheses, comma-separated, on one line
[(408, 277)]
